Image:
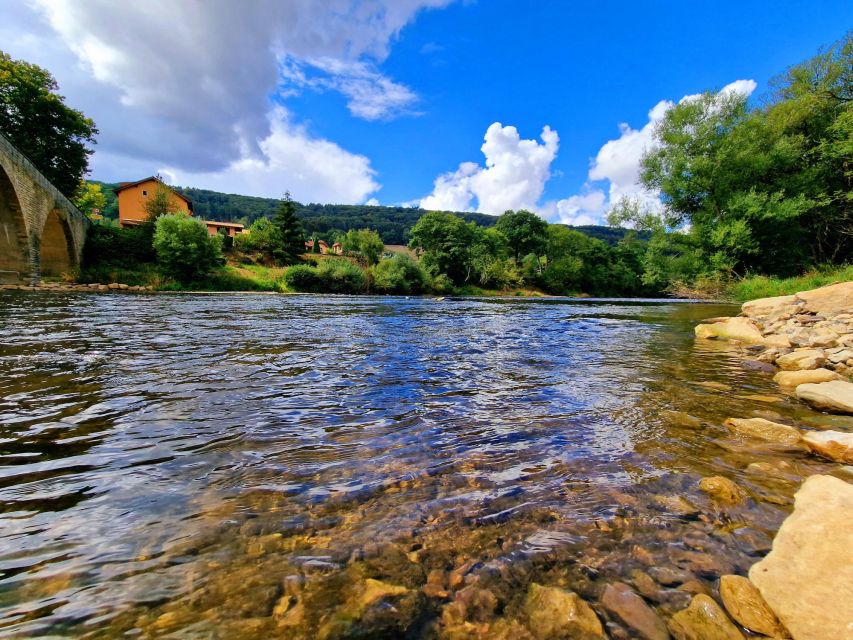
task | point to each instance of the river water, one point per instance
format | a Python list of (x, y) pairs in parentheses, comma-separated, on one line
[(238, 466)]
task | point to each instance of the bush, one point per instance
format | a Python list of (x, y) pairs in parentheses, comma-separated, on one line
[(342, 276), (114, 246), (302, 278), (263, 236), (185, 250), (399, 275)]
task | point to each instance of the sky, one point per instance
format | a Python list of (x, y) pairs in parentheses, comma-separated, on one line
[(458, 105)]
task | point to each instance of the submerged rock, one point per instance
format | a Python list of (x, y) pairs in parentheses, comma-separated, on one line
[(722, 489), (703, 620), (740, 329), (833, 445), (762, 429), (801, 359), (553, 613), (806, 376), (836, 396), (621, 601), (744, 603), (807, 578)]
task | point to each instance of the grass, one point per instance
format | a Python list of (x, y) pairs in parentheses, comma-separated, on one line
[(754, 287)]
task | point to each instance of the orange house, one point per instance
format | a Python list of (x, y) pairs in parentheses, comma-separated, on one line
[(132, 197)]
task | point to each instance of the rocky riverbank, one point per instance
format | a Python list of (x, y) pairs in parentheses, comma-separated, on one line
[(804, 586), (75, 287)]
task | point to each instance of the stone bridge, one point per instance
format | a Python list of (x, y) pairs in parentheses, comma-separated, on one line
[(41, 232)]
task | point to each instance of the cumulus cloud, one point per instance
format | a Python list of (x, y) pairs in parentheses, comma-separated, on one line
[(192, 85), (617, 163), (513, 177)]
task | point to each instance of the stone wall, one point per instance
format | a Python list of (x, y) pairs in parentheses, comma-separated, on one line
[(40, 230)]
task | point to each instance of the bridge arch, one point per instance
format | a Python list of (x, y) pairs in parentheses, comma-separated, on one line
[(14, 257), (56, 252)]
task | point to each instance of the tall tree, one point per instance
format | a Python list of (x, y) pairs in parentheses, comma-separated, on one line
[(90, 198), (524, 232), (291, 239), (37, 121)]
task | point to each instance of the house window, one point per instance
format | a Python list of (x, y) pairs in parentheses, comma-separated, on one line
[(144, 193)]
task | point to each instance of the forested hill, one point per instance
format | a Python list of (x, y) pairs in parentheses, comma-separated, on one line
[(392, 223)]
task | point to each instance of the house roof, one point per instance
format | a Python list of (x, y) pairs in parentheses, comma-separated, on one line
[(224, 224), (126, 185)]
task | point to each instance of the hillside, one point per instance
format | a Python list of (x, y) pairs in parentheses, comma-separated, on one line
[(392, 223)]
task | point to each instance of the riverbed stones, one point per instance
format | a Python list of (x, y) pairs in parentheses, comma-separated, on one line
[(794, 379), (801, 359), (807, 578), (835, 396), (762, 429), (703, 620), (744, 603), (722, 489), (620, 600), (833, 445), (553, 613)]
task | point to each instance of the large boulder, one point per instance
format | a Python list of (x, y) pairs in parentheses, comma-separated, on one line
[(553, 613), (807, 578), (806, 376), (766, 306), (830, 300), (620, 600), (740, 329), (744, 603), (801, 359), (835, 396), (762, 429), (833, 445), (703, 620)]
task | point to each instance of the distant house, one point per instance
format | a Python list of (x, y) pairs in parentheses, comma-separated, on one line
[(324, 247), (338, 248), (132, 197)]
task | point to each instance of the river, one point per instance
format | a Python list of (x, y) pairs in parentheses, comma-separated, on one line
[(237, 466)]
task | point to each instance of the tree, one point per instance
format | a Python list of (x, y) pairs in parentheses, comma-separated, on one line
[(162, 202), (37, 121), (524, 232), (363, 244), (185, 250), (89, 198), (262, 236), (446, 241), (399, 274), (291, 241)]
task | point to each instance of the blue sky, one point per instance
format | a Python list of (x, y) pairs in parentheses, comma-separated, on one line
[(375, 100)]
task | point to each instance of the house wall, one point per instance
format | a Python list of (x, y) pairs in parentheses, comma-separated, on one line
[(131, 202)]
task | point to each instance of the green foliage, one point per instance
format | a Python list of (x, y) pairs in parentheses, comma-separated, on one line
[(114, 246), (185, 250), (524, 232), (35, 118), (262, 237), (160, 203), (400, 275), (303, 278), (753, 287), (291, 240), (89, 198), (446, 241), (764, 190), (364, 244)]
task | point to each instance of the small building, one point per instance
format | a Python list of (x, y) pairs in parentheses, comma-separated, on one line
[(309, 246), (338, 249), (132, 197), (228, 228)]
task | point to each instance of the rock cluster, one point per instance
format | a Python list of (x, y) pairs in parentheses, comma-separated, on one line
[(73, 286)]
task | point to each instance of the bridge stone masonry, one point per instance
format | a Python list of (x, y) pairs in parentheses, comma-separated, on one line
[(41, 232)]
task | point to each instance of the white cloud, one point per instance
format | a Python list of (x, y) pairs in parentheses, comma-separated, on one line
[(191, 85), (312, 169), (618, 164), (514, 175)]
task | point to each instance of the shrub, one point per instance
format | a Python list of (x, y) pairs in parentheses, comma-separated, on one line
[(399, 274), (111, 245), (342, 276), (302, 278), (185, 250), (263, 236)]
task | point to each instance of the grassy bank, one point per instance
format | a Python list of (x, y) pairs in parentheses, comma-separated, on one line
[(754, 287)]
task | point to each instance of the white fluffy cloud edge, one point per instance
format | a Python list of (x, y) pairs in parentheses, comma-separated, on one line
[(516, 172)]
